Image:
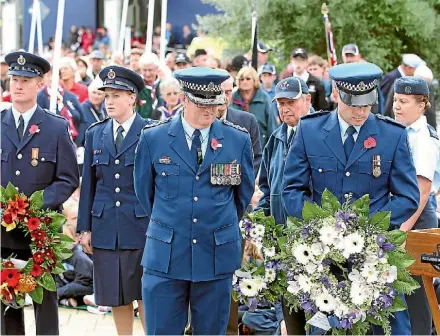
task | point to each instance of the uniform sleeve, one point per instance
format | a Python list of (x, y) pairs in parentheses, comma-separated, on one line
[(256, 143), (88, 187), (263, 181), (297, 173), (66, 178), (403, 184), (244, 191), (425, 156), (144, 175)]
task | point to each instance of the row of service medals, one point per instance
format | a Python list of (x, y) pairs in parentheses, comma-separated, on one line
[(226, 174), (376, 166)]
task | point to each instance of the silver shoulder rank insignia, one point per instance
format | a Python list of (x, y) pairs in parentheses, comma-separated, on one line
[(154, 124), (228, 123), (21, 60), (111, 74), (407, 89)]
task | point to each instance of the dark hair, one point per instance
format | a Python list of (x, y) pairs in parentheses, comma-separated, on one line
[(200, 52)]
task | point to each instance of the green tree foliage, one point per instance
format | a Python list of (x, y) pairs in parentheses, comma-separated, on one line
[(383, 29)]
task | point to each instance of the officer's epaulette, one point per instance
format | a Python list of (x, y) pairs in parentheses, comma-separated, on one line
[(315, 114), (53, 114), (157, 123), (432, 132), (97, 123), (228, 123), (389, 120)]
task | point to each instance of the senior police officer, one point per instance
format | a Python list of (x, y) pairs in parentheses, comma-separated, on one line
[(294, 101), (37, 154), (330, 151), (194, 177), (411, 99), (111, 220)]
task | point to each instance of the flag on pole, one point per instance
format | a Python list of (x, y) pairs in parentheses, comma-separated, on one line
[(254, 40), (331, 49)]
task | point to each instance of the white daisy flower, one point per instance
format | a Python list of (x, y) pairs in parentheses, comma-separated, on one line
[(254, 233), (355, 276), (260, 229), (302, 254), (328, 235), (293, 287), (353, 243), (370, 273), (304, 282), (269, 251), (357, 295), (317, 249), (325, 302), (250, 287), (269, 275), (234, 279), (340, 309)]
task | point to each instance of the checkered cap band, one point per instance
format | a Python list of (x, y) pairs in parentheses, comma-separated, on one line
[(360, 88), (206, 90), (218, 100), (25, 68)]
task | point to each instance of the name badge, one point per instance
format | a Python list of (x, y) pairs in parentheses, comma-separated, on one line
[(34, 156)]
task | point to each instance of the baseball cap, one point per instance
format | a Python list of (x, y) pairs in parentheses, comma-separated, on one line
[(267, 68), (291, 87), (299, 52), (181, 58), (350, 48), (263, 48)]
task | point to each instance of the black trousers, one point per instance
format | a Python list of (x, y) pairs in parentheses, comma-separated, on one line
[(46, 313), (295, 321)]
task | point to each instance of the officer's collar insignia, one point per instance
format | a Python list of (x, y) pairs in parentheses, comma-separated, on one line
[(407, 89), (211, 86), (111, 74), (362, 86), (21, 60), (284, 86)]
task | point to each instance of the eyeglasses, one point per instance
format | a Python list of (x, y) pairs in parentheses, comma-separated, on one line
[(245, 78)]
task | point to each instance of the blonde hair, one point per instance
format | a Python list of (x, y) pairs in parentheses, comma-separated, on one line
[(423, 99), (252, 73), (251, 250), (316, 60)]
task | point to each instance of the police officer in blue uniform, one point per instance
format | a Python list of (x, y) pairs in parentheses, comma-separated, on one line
[(194, 177), (111, 221), (330, 151), (41, 160), (411, 99)]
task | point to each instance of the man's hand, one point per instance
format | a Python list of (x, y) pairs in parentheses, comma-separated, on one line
[(283, 328), (86, 242)]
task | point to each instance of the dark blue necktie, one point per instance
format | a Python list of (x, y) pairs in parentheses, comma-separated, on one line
[(349, 142), (196, 147)]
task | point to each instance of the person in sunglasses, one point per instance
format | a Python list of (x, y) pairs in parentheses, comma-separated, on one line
[(352, 152)]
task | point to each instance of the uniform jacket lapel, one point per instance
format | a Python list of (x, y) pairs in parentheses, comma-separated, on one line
[(333, 138), (10, 128), (36, 119), (132, 135), (178, 142), (109, 141), (211, 154), (369, 128)]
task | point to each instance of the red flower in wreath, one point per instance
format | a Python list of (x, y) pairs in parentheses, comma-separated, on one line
[(17, 207), (48, 253), (37, 270), (47, 220), (33, 223), (11, 276), (34, 129), (38, 257), (9, 264), (41, 243), (370, 143), (38, 235), (7, 218), (7, 294)]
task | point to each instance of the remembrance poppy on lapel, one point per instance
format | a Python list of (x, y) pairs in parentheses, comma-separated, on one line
[(34, 129), (214, 143), (370, 143)]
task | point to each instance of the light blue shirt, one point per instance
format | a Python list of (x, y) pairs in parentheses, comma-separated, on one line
[(343, 125), (26, 116), (425, 151), (189, 130)]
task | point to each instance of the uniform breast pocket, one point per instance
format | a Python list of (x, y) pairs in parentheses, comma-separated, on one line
[(221, 193), (227, 249), (100, 162), (167, 179), (5, 156), (368, 183), (324, 173), (45, 170)]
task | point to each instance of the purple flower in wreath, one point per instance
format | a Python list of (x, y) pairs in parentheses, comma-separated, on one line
[(388, 246), (347, 321), (344, 218), (247, 226)]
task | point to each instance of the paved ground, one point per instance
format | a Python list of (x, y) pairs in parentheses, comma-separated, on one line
[(80, 322)]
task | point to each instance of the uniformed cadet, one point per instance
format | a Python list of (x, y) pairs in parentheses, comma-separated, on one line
[(194, 177), (411, 99), (41, 158), (350, 151), (111, 221)]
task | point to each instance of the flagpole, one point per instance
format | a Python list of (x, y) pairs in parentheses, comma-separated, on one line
[(149, 43), (33, 27), (324, 11), (57, 56), (163, 30), (254, 37), (122, 27), (39, 30)]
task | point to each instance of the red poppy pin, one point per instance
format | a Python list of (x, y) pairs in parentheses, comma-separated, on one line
[(142, 102), (34, 129), (215, 144), (370, 143)]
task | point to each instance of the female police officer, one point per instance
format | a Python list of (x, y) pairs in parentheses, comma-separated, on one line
[(410, 102), (111, 221)]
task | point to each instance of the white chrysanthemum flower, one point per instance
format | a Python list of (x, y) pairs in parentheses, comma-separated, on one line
[(325, 302), (260, 229), (249, 287), (370, 273), (355, 276), (372, 259), (353, 243), (305, 283), (391, 275), (357, 294), (328, 235), (317, 249), (234, 279), (269, 251), (302, 254), (340, 309), (311, 268), (293, 287), (254, 233), (269, 275)]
